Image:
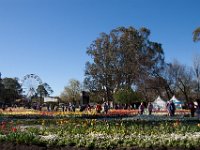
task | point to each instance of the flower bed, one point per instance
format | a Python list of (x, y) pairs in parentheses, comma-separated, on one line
[(33, 114), (140, 133), (90, 130)]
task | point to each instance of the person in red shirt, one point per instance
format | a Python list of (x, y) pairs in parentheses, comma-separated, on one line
[(98, 108)]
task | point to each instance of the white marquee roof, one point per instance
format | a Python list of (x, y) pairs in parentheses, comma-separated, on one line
[(159, 102), (175, 100)]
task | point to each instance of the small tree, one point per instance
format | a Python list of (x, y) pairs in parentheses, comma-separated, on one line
[(12, 89), (43, 90), (72, 92)]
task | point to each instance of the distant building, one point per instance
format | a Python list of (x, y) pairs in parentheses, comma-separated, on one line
[(85, 99)]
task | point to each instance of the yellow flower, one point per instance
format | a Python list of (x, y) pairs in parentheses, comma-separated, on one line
[(177, 123), (61, 122), (43, 122), (198, 124), (85, 124)]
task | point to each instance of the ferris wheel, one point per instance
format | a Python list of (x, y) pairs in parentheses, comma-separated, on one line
[(30, 84)]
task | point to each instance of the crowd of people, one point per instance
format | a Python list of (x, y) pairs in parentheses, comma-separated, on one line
[(171, 108), (104, 108)]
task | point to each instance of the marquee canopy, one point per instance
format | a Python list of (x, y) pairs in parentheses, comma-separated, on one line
[(176, 101), (159, 103)]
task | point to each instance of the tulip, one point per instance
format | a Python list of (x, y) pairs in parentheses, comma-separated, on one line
[(14, 129)]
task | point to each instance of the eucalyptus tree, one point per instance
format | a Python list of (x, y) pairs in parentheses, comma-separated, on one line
[(48, 88), (1, 88), (41, 91), (123, 58), (102, 70), (91, 85), (196, 34), (44, 90), (196, 68)]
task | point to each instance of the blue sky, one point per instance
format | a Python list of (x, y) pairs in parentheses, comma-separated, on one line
[(49, 37)]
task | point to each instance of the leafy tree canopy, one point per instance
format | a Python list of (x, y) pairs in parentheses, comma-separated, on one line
[(126, 96), (196, 34), (121, 59), (11, 89), (72, 92)]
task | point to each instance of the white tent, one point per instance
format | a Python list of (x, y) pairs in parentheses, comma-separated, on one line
[(177, 103), (50, 99), (159, 103)]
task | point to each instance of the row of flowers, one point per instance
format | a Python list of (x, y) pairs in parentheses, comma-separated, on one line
[(25, 113), (103, 134)]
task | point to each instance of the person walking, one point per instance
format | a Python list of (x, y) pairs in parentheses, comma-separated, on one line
[(150, 108), (198, 108), (168, 108), (98, 108), (141, 109), (173, 108), (105, 107), (192, 108)]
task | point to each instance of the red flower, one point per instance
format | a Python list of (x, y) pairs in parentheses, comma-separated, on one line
[(14, 129), (3, 123), (3, 126)]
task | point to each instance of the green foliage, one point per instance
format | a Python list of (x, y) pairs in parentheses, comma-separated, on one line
[(44, 90), (1, 89), (104, 134), (196, 34), (10, 90), (72, 92), (41, 91), (122, 58), (126, 96)]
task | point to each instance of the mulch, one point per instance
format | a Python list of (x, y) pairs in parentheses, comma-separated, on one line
[(14, 146)]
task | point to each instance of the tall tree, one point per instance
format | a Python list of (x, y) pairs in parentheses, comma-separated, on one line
[(72, 92), (44, 90), (41, 91), (196, 68), (122, 59), (92, 86), (196, 34), (169, 80), (1, 88), (182, 79), (48, 88)]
